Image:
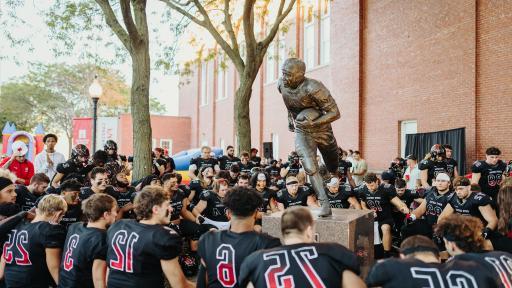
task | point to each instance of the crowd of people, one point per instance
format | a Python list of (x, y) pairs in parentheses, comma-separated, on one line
[(84, 222)]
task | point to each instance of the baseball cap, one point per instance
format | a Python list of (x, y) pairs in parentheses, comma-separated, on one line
[(261, 177), (292, 180), (19, 146), (333, 182), (387, 175), (443, 177)]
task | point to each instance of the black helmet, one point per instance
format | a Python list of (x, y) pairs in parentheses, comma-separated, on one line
[(437, 150), (110, 144), (189, 264), (80, 150)]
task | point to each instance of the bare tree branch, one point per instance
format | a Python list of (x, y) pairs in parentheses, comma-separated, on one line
[(113, 23), (248, 23), (176, 6), (229, 26), (126, 11), (139, 11), (279, 19)]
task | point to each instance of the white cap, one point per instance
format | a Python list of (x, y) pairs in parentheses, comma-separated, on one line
[(443, 177), (19, 146), (334, 181), (261, 177)]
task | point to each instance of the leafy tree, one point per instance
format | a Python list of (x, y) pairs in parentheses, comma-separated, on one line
[(223, 20)]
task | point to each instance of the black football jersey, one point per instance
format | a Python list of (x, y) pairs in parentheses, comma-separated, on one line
[(73, 215), (294, 168), (25, 255), (301, 199), (434, 168), (344, 169), (469, 206), (70, 167), (87, 192), (25, 199), (380, 200), (225, 162), (256, 161), (246, 168), (134, 253), (224, 251), (83, 245), (215, 209), (299, 265), (340, 199), (267, 195), (451, 164), (177, 204), (404, 273), (435, 204), (483, 270), (273, 171), (201, 162), (195, 185), (124, 198), (490, 176)]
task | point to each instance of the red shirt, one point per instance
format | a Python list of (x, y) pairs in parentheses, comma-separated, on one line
[(23, 170)]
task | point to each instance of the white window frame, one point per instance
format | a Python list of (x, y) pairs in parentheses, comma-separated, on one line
[(170, 145), (309, 44), (406, 127), (325, 32), (204, 83), (153, 143), (221, 80), (270, 64), (222, 144), (275, 145)]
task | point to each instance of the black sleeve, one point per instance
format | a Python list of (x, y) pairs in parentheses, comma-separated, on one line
[(391, 192), (63, 168), (99, 251), (173, 165), (378, 275), (205, 195), (246, 269), (55, 236), (482, 199), (201, 277), (8, 224), (477, 167), (166, 244), (425, 164)]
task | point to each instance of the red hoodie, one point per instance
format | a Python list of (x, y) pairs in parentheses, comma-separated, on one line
[(23, 170)]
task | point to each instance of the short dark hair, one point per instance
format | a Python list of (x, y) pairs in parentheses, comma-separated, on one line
[(148, 197), (50, 135), (70, 185), (234, 168), (40, 178), (179, 177), (159, 150), (465, 231), (447, 146), (168, 176), (94, 206), (100, 156), (357, 152), (492, 151), (244, 154), (370, 177), (418, 244), (229, 147), (297, 219), (97, 170), (461, 181), (243, 176), (243, 201), (222, 174), (400, 183)]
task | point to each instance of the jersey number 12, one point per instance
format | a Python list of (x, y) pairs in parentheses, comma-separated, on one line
[(124, 261)]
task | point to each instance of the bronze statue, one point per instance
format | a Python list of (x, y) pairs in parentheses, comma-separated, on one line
[(311, 109)]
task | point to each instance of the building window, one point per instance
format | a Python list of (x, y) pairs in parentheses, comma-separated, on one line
[(270, 66), (204, 83), (407, 127), (325, 33), (309, 38), (275, 146), (282, 53), (221, 79), (166, 144), (153, 143)]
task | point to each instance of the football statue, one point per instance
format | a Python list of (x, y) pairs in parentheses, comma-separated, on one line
[(311, 109)]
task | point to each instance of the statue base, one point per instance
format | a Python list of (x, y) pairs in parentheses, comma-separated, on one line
[(351, 228)]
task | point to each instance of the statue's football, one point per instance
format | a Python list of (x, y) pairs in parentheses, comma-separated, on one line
[(310, 114)]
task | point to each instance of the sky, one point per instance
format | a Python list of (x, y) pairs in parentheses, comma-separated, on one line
[(163, 87)]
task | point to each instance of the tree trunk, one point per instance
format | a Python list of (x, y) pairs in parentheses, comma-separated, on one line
[(140, 111), (242, 115)]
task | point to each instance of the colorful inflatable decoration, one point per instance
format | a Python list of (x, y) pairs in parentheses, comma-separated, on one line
[(182, 160), (34, 142)]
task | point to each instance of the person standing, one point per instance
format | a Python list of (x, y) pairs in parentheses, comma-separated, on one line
[(19, 164), (412, 173), (488, 173), (451, 163), (229, 159), (46, 162), (359, 168)]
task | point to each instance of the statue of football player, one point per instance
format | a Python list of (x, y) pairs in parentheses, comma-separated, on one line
[(311, 109)]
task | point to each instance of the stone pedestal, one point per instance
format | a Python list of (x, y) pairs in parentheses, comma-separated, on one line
[(348, 227)]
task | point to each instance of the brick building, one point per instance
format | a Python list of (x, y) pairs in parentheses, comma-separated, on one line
[(394, 67)]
